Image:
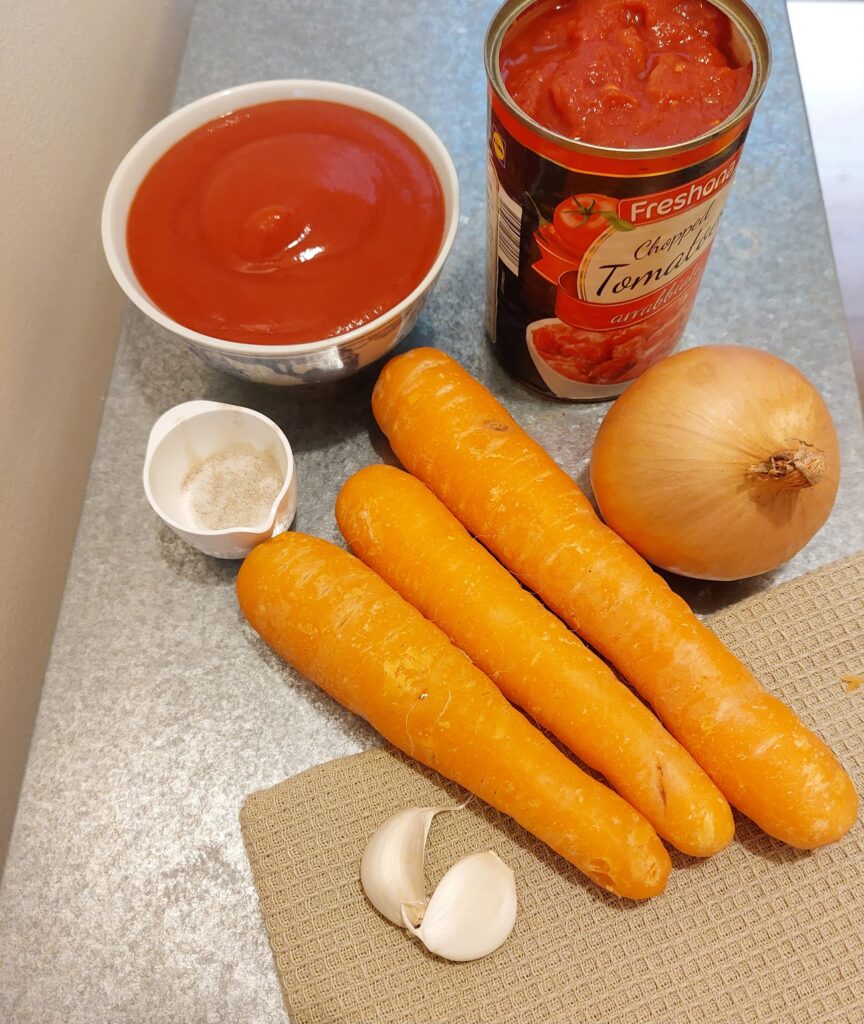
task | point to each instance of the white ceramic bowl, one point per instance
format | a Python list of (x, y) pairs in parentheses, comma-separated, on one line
[(312, 362)]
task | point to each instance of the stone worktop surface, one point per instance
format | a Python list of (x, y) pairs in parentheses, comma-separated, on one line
[(127, 896)]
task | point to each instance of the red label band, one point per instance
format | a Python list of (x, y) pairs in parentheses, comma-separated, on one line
[(659, 205)]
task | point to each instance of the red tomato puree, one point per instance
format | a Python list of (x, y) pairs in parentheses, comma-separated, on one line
[(625, 73), (286, 222)]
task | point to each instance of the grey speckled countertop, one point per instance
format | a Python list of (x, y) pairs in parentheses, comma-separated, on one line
[(127, 896)]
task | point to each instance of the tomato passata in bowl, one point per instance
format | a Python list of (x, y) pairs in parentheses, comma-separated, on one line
[(288, 232)]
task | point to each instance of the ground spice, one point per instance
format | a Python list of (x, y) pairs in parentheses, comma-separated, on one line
[(234, 487)]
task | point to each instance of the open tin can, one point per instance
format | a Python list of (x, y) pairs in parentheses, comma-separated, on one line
[(595, 254)]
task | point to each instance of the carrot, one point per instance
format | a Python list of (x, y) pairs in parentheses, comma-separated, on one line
[(449, 431), (401, 530), (349, 632)]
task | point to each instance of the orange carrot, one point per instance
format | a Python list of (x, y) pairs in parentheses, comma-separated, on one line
[(401, 530), (349, 632), (449, 431)]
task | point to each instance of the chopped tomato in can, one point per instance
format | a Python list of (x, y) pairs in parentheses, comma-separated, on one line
[(615, 129)]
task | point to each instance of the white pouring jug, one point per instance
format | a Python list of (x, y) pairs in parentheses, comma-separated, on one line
[(188, 434)]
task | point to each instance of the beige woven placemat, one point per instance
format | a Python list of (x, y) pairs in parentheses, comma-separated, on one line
[(760, 933)]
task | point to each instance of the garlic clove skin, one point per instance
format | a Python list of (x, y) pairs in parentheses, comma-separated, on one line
[(391, 871), (472, 912)]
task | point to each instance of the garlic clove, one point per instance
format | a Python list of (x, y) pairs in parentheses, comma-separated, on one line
[(391, 871), (472, 911)]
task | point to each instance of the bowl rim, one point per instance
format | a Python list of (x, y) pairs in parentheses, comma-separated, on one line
[(305, 88)]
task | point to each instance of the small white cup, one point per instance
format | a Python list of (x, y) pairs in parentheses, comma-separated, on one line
[(182, 439)]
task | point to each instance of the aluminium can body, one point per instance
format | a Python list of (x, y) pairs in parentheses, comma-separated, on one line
[(580, 320)]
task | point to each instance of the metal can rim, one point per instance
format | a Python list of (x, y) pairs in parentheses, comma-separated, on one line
[(743, 17)]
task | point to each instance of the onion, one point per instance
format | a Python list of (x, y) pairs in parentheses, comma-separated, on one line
[(720, 462)]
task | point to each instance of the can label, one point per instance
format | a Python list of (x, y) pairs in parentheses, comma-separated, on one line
[(592, 275)]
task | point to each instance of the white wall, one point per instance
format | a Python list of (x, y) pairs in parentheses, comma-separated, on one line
[(80, 80)]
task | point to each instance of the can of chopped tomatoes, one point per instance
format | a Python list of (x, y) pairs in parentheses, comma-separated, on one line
[(615, 129)]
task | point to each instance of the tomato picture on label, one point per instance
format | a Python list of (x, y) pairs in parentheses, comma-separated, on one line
[(604, 357), (579, 219), (577, 222)]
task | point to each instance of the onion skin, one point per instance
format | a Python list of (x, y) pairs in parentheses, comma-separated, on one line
[(720, 462)]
